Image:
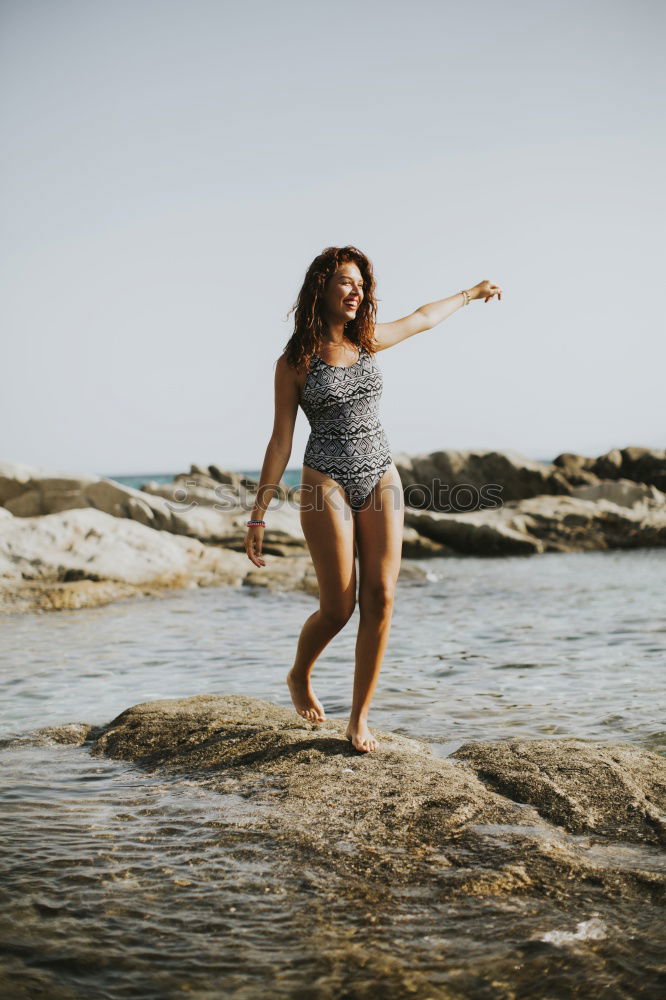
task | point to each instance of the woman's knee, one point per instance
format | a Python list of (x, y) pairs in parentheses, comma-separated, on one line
[(377, 598), (337, 615)]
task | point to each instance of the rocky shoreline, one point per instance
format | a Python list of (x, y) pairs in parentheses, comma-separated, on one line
[(72, 542)]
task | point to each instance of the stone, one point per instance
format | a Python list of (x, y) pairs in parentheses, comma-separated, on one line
[(461, 481)]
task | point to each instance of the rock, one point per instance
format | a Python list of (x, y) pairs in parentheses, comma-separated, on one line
[(106, 548), (489, 814), (645, 465), (547, 524), (15, 479), (208, 733), (615, 790), (233, 478), (213, 515), (186, 491), (464, 481), (81, 558), (479, 533), (608, 466), (640, 465), (622, 492), (28, 504), (74, 734), (576, 469), (124, 501), (418, 546)]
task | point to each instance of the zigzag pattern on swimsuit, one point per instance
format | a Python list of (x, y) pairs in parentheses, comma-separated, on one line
[(347, 441)]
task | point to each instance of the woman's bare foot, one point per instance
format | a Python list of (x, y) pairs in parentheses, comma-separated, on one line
[(360, 736), (305, 700)]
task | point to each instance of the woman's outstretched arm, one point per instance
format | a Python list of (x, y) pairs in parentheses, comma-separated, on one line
[(427, 316)]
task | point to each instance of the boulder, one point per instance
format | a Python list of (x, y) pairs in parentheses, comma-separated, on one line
[(317, 787), (638, 464), (615, 790), (464, 481), (547, 524), (86, 557), (622, 492), (397, 873), (102, 547), (645, 465)]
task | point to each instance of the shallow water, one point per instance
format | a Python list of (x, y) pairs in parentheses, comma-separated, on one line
[(119, 883)]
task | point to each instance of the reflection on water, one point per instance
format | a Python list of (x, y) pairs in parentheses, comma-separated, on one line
[(119, 883)]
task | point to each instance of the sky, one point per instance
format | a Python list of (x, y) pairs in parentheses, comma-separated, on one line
[(172, 167)]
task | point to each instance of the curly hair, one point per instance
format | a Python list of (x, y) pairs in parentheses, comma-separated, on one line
[(309, 323)]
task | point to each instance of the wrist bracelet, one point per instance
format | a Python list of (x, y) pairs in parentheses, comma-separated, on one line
[(466, 297), (255, 522)]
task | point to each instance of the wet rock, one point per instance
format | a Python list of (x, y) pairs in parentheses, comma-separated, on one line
[(74, 733), (317, 782), (403, 790), (619, 791)]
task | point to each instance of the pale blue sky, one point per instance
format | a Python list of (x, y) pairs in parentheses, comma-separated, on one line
[(171, 168)]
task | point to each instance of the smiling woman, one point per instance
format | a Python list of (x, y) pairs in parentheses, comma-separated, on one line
[(351, 497)]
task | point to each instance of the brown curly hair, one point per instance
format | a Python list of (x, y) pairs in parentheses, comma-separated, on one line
[(309, 324)]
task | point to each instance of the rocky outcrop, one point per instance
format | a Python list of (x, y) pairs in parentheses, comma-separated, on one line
[(60, 547), (452, 481), (547, 524), (85, 558), (198, 507), (82, 558), (618, 791), (477, 874), (455, 481), (640, 465), (501, 818)]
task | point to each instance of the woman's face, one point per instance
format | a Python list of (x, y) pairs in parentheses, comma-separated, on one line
[(344, 293)]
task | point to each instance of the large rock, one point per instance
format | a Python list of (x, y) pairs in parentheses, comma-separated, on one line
[(638, 464), (501, 819), (549, 524), (464, 481), (83, 558), (91, 544), (644, 465), (615, 790), (421, 875), (622, 492), (619, 791)]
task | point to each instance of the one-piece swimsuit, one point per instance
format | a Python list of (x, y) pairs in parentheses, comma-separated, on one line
[(347, 442)]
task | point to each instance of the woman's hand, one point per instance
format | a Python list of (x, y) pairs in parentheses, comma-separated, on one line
[(253, 542), (485, 290)]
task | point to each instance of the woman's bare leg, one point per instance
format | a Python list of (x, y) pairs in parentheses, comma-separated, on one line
[(328, 526), (379, 533)]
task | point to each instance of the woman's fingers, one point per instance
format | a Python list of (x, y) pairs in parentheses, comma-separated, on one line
[(253, 550)]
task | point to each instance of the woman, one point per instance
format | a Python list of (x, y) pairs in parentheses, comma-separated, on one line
[(351, 498)]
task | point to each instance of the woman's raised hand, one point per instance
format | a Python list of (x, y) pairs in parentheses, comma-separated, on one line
[(485, 290), (253, 542)]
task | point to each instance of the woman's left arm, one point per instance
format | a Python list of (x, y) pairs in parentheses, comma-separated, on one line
[(425, 317)]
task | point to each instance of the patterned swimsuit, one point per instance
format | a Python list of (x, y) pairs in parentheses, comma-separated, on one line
[(347, 441)]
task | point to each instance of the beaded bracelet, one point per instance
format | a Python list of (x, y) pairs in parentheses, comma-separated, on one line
[(255, 522)]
